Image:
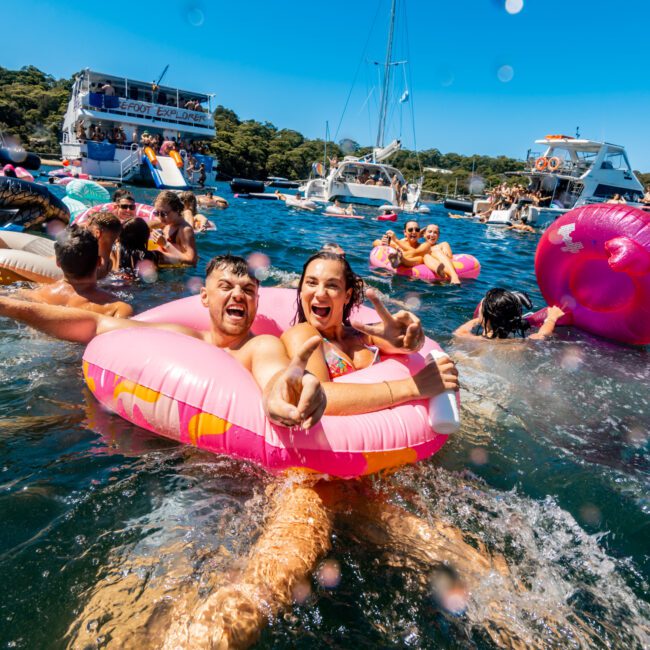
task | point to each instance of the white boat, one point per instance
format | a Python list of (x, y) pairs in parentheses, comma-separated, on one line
[(368, 180), (570, 172), (136, 107)]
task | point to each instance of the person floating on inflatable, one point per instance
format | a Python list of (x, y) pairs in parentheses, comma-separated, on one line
[(500, 317)]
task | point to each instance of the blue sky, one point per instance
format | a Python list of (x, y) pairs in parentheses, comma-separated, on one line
[(573, 63)]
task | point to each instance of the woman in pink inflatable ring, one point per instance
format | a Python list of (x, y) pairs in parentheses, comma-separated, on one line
[(328, 292)]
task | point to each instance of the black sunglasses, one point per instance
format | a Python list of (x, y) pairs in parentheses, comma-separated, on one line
[(412, 230), (127, 206), (160, 213)]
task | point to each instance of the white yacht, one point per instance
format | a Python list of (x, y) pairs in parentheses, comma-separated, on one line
[(181, 118), (368, 179), (570, 172)]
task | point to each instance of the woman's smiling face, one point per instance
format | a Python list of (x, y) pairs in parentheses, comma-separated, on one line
[(323, 294)]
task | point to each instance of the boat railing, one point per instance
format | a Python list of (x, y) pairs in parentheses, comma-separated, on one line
[(115, 105), (128, 163), (566, 167)]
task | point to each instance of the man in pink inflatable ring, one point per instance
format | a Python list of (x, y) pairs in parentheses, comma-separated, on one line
[(291, 396)]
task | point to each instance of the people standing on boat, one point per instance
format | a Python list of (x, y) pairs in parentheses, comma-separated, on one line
[(81, 132), (202, 175), (501, 318), (363, 177), (77, 255), (617, 198), (176, 239), (108, 89)]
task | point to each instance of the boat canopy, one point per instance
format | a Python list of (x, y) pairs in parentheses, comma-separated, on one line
[(146, 90)]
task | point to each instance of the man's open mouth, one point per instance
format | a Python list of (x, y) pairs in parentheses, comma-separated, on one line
[(235, 311), (322, 312)]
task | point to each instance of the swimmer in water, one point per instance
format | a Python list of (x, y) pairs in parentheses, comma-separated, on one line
[(501, 318), (190, 213), (176, 239), (77, 254), (209, 200), (106, 228)]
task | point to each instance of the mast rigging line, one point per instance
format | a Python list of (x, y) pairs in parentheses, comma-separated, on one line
[(356, 74)]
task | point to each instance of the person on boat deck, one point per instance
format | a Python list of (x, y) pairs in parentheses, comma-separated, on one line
[(81, 132), (290, 396), (646, 197), (501, 317), (108, 90), (176, 239), (328, 292), (202, 174), (106, 228), (617, 198), (363, 177), (190, 212), (77, 255)]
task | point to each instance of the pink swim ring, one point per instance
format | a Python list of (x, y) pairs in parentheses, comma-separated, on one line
[(467, 266), (594, 261), (142, 210), (187, 390)]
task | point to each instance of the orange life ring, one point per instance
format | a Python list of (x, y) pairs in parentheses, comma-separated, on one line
[(554, 164), (541, 163)]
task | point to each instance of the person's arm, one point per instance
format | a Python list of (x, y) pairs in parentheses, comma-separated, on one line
[(291, 396), (185, 253), (465, 330), (353, 399), (548, 326), (70, 324)]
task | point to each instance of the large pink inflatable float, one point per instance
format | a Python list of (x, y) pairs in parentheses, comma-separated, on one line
[(594, 261), (141, 210), (467, 266), (185, 389)]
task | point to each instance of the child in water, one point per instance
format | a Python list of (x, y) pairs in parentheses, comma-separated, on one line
[(501, 317)]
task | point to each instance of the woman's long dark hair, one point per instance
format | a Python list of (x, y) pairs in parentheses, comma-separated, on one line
[(352, 281), (502, 314)]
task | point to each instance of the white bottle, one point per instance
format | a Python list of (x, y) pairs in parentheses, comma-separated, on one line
[(443, 409)]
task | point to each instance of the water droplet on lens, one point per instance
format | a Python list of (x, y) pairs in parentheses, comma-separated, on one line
[(329, 574), (505, 73), (413, 302), (478, 456), (195, 17), (194, 285), (301, 591), (514, 6), (590, 514)]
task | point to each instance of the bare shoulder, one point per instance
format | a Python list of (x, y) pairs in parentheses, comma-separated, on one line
[(299, 333)]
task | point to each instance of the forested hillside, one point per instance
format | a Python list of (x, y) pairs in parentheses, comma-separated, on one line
[(32, 104)]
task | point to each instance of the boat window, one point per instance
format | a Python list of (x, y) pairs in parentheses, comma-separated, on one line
[(615, 160), (607, 191), (586, 157)]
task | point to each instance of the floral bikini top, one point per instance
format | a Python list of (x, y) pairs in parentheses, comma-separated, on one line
[(339, 365)]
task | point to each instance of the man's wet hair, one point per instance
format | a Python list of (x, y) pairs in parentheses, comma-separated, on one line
[(77, 252), (122, 193), (237, 265), (106, 221)]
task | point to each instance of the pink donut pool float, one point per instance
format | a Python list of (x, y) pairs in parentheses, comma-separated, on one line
[(467, 266), (594, 261), (182, 388), (141, 210)]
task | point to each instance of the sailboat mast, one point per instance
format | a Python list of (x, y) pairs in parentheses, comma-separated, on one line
[(386, 86)]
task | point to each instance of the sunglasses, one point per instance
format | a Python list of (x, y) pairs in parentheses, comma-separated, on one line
[(412, 230), (126, 206), (160, 213)]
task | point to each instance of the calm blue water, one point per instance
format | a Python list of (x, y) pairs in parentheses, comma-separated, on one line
[(550, 469)]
